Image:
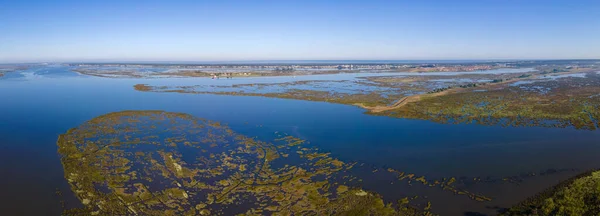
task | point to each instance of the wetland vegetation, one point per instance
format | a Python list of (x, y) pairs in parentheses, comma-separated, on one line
[(550, 96), (167, 163), (160, 163), (119, 70), (11, 68), (562, 102), (300, 108), (579, 195)]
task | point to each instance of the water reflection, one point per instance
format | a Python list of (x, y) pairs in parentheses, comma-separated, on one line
[(424, 148), (158, 163)]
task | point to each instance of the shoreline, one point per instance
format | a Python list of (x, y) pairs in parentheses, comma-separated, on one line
[(378, 108), (483, 86), (533, 203), (258, 73)]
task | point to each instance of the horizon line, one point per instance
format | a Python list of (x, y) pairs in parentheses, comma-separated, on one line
[(99, 61)]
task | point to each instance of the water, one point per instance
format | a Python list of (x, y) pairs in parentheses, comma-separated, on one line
[(576, 75), (317, 62), (549, 77), (41, 103), (463, 80), (522, 82), (336, 77)]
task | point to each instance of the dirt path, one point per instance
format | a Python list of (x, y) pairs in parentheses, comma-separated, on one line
[(402, 102)]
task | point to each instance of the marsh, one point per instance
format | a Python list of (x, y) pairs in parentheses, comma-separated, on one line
[(445, 167)]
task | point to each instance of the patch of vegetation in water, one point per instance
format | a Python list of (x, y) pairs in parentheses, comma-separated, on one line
[(371, 99), (445, 184), (368, 98), (161, 163), (142, 87), (367, 91), (8, 69), (565, 102), (577, 196)]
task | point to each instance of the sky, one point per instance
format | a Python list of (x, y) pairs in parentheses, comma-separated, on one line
[(245, 30)]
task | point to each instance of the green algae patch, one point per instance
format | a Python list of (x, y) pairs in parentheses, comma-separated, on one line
[(577, 196), (161, 163)]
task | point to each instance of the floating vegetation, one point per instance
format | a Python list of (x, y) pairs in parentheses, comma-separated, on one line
[(161, 163), (577, 196), (445, 184)]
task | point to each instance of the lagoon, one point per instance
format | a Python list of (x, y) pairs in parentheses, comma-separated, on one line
[(41, 103)]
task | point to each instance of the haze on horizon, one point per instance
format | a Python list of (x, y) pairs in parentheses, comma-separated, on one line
[(236, 30)]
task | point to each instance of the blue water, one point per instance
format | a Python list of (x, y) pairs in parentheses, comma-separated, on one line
[(340, 76), (319, 62), (549, 77), (41, 103)]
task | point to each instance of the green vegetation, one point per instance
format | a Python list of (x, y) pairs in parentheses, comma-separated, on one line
[(578, 196), (160, 163), (555, 103), (525, 76), (370, 99), (470, 85), (438, 90), (444, 184), (564, 102)]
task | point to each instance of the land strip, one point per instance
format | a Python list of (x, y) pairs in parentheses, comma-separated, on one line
[(485, 86)]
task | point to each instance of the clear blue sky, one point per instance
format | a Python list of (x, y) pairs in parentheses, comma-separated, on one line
[(175, 30)]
